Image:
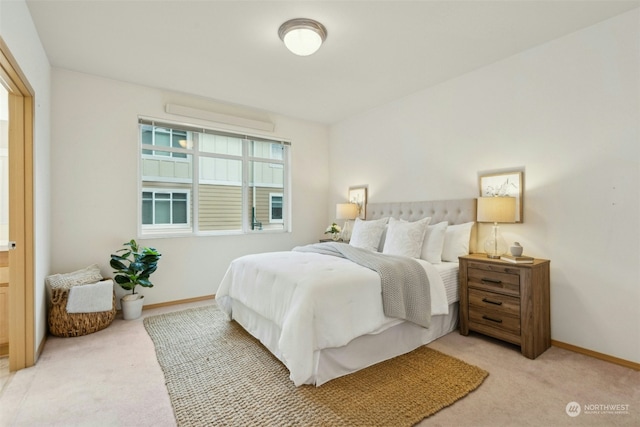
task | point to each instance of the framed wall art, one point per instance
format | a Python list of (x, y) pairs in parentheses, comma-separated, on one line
[(358, 195), (509, 183)]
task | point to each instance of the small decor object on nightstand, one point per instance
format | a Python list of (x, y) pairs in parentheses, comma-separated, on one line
[(522, 259), (516, 256), (334, 229), (516, 249)]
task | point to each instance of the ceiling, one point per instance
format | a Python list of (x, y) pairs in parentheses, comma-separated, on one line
[(229, 51)]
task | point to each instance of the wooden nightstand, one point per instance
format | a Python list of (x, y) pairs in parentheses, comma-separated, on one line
[(506, 301)]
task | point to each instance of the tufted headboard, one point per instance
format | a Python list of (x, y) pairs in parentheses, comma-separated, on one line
[(458, 211)]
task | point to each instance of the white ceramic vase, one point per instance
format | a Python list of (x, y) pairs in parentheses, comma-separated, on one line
[(516, 249)]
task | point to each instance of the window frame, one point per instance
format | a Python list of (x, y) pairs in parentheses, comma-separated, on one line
[(157, 231), (271, 219), (168, 227), (172, 155)]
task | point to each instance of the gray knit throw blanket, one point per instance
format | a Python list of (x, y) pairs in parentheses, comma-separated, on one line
[(405, 285)]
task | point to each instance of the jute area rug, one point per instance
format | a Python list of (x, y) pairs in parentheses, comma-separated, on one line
[(217, 374)]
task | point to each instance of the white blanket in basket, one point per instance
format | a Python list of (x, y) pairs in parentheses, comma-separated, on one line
[(91, 298)]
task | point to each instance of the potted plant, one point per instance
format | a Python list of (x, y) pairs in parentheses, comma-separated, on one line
[(133, 268), (334, 229)]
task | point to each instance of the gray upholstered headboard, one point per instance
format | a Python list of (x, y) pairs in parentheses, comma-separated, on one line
[(458, 211)]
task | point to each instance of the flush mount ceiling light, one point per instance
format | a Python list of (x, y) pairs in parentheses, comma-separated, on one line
[(302, 36)]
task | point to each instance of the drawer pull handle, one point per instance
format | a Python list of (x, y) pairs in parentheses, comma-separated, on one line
[(488, 301), (492, 319), (495, 281)]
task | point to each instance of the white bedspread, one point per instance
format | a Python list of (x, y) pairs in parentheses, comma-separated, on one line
[(318, 301)]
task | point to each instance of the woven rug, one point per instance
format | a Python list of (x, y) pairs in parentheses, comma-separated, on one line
[(218, 374)]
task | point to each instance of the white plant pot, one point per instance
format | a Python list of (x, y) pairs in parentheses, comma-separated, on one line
[(132, 306)]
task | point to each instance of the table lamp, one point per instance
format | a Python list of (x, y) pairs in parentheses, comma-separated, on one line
[(496, 210), (348, 212)]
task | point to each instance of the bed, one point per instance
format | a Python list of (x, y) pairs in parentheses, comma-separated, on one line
[(323, 316)]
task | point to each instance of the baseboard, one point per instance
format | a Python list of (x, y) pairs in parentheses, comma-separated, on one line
[(595, 354), (4, 349), (182, 301)]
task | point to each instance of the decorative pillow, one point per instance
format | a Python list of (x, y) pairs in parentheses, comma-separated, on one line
[(367, 234), (456, 241), (90, 274), (405, 238), (434, 242)]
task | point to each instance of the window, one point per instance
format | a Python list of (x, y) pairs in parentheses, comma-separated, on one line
[(165, 207), (277, 152), (275, 208), (202, 181), (163, 137)]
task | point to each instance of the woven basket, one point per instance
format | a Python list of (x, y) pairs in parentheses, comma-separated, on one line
[(63, 324)]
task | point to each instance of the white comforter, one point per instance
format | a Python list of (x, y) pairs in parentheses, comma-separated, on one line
[(317, 301)]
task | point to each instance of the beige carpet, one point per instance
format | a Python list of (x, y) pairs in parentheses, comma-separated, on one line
[(218, 374)]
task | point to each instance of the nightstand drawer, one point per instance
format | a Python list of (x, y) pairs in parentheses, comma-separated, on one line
[(493, 280), (493, 301), (494, 319)]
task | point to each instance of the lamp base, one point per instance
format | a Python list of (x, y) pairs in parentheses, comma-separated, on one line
[(346, 232), (495, 246)]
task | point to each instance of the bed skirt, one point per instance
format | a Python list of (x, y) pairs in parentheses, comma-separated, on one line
[(329, 363)]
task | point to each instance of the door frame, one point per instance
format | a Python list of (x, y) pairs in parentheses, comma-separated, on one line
[(21, 259)]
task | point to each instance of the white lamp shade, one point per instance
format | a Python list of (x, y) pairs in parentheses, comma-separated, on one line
[(346, 211), (496, 209)]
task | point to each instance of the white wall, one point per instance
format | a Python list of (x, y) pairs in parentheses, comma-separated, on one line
[(19, 34), (95, 186), (568, 113)]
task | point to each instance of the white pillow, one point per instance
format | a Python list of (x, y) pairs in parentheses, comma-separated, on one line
[(405, 238), (456, 241), (434, 242), (367, 234)]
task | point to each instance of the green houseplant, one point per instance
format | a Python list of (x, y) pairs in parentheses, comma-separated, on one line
[(133, 267)]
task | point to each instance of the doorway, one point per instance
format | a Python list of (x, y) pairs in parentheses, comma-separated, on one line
[(21, 299)]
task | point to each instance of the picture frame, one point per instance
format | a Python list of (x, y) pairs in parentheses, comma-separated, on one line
[(358, 195), (506, 183)]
